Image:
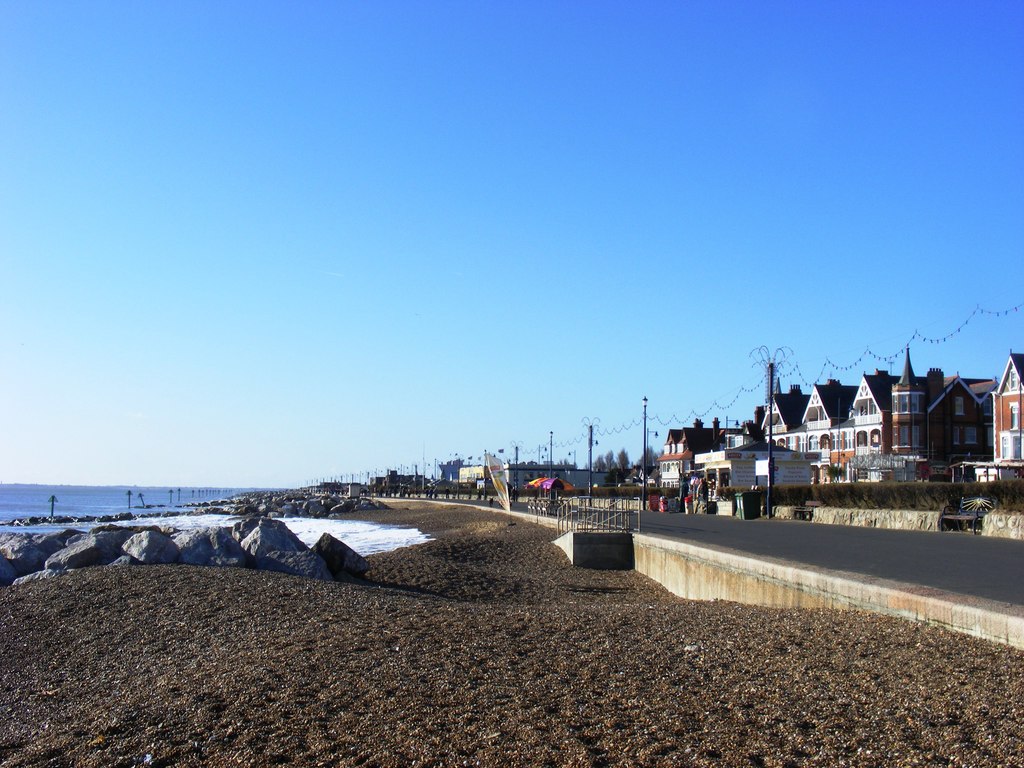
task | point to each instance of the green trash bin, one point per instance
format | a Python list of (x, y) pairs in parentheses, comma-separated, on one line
[(748, 505)]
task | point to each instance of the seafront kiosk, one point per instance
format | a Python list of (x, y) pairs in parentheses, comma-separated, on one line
[(747, 466)]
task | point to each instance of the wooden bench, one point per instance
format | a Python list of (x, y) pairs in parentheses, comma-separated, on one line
[(806, 510), (971, 511)]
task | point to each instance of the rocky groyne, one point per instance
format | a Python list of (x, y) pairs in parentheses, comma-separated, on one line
[(259, 539)]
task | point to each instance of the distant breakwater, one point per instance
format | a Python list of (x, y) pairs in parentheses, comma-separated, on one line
[(274, 505)]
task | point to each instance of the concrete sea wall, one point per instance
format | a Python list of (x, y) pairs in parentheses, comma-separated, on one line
[(701, 573)]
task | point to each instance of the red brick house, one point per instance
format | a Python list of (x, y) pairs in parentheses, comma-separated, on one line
[(939, 421)]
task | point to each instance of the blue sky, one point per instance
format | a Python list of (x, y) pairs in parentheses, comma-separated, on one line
[(252, 244)]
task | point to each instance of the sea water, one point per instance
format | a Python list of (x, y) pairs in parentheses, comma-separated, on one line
[(22, 501)]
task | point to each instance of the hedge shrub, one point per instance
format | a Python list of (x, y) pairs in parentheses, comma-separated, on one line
[(1009, 495)]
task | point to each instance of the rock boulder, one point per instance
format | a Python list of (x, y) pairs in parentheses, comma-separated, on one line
[(100, 547), (209, 546), (306, 563), (151, 548), (260, 536), (340, 557)]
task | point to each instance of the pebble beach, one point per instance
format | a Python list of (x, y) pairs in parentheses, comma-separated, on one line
[(481, 647)]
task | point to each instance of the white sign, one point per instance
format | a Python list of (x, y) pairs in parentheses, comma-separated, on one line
[(742, 474)]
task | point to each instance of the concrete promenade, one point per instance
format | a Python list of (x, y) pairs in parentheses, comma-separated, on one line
[(966, 583), (974, 566)]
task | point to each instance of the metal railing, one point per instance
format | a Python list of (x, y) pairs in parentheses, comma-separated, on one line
[(584, 513)]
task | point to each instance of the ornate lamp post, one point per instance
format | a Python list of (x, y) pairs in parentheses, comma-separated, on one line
[(771, 361)]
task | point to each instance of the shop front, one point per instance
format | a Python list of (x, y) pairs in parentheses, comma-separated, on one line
[(747, 467)]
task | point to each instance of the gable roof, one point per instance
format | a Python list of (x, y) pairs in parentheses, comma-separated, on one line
[(1015, 362), (791, 406), (691, 440), (978, 389), (879, 385), (836, 399), (673, 436), (699, 439)]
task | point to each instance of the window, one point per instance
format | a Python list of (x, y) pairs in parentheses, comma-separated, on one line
[(986, 407), (1014, 416), (907, 402), (970, 435), (958, 406), (956, 435)]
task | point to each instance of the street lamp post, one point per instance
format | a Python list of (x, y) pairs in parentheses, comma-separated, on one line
[(515, 467), (771, 361), (551, 453), (589, 424), (643, 470)]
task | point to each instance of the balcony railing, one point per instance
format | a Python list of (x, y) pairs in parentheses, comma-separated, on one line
[(821, 424), (867, 450), (870, 418)]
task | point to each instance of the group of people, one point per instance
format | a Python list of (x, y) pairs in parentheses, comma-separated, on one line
[(701, 489)]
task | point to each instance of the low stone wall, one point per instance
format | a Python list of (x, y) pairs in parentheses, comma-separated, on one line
[(999, 524), (1003, 525)]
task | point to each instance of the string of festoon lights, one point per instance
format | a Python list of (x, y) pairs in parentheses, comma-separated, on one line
[(793, 370), (618, 429), (868, 353)]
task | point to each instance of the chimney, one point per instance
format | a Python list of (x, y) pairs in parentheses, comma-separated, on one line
[(794, 389), (935, 381), (698, 424), (759, 413), (715, 425)]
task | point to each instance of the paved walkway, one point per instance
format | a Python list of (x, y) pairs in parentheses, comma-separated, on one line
[(976, 566), (960, 563)]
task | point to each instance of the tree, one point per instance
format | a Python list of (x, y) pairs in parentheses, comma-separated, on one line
[(622, 461), (600, 464), (652, 456)]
